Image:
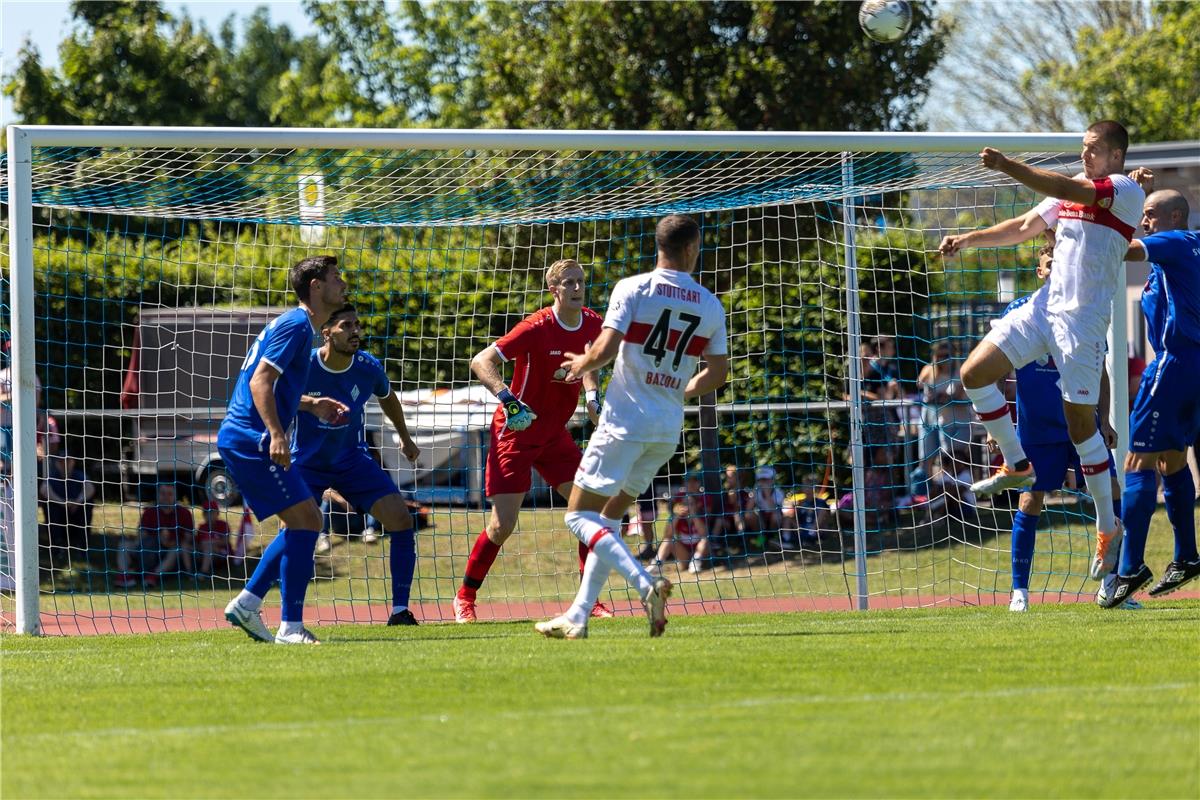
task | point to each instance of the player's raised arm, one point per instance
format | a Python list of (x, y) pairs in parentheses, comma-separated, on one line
[(1003, 234), (1042, 181), (394, 411)]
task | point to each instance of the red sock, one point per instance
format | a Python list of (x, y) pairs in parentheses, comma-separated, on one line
[(583, 554), (483, 555)]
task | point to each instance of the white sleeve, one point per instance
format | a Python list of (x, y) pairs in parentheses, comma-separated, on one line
[(718, 344), (1048, 210), (1128, 199), (620, 308)]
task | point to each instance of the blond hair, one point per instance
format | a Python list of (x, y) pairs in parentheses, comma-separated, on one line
[(556, 270)]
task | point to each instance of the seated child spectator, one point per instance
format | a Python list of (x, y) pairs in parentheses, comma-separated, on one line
[(165, 534), (764, 516), (805, 513), (687, 535), (729, 527), (212, 538)]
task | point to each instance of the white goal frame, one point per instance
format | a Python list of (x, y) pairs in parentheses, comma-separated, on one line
[(22, 139)]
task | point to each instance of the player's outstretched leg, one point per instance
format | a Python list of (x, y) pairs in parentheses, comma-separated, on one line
[(600, 533), (985, 365)]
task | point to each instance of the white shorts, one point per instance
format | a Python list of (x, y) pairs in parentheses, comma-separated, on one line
[(611, 466), (1029, 333)]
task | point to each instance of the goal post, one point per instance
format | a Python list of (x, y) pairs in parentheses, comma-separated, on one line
[(817, 243)]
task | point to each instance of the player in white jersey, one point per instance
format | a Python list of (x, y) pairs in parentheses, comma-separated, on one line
[(1094, 215), (657, 327)]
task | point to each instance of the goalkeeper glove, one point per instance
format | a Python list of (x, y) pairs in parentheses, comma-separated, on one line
[(517, 415)]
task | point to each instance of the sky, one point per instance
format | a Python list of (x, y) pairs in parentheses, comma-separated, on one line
[(46, 22)]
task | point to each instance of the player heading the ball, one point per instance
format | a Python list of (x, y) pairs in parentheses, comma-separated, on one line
[(1094, 216)]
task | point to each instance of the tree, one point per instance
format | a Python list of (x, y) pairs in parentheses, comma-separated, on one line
[(135, 64), (1002, 61), (1150, 81)]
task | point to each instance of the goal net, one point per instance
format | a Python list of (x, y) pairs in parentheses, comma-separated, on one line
[(823, 476)]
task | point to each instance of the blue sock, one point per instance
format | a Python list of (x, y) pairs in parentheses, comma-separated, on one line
[(403, 561), (267, 571), (1140, 498), (1179, 491), (296, 570), (1024, 533)]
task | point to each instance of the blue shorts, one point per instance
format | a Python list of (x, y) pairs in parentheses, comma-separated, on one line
[(357, 478), (1051, 462), (1166, 412), (267, 487)]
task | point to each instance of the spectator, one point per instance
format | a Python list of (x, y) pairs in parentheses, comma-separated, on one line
[(212, 538), (878, 495), (687, 534), (765, 516), (881, 376), (947, 416), (805, 513), (67, 496), (6, 409), (879, 382), (165, 533), (729, 529)]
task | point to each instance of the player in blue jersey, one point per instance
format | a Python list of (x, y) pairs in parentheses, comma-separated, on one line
[(1046, 440), (333, 454), (1166, 411), (256, 449)]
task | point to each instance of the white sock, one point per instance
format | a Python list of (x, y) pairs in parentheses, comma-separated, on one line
[(1093, 456), (398, 609), (286, 627), (992, 409), (605, 541), (248, 600), (595, 574)]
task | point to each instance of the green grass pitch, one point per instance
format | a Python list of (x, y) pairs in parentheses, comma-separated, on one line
[(1064, 701)]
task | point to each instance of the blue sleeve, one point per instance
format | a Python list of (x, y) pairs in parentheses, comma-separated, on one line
[(383, 386), (290, 337), (1171, 250)]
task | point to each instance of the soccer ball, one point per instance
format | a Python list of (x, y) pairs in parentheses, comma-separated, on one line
[(885, 20)]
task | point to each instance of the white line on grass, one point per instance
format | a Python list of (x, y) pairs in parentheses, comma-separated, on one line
[(93, 735)]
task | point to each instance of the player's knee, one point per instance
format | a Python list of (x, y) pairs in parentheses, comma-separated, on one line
[(498, 530), (1031, 503)]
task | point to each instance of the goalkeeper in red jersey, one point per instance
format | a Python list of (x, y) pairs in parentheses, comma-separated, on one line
[(529, 429)]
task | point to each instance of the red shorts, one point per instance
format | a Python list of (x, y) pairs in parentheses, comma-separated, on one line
[(510, 463)]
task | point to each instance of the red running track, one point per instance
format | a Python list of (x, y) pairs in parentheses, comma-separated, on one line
[(78, 623)]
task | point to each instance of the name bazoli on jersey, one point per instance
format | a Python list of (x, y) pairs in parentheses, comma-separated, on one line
[(669, 320)]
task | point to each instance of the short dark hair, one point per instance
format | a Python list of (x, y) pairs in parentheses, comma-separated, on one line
[(674, 233), (313, 268), (1112, 133), (341, 312)]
